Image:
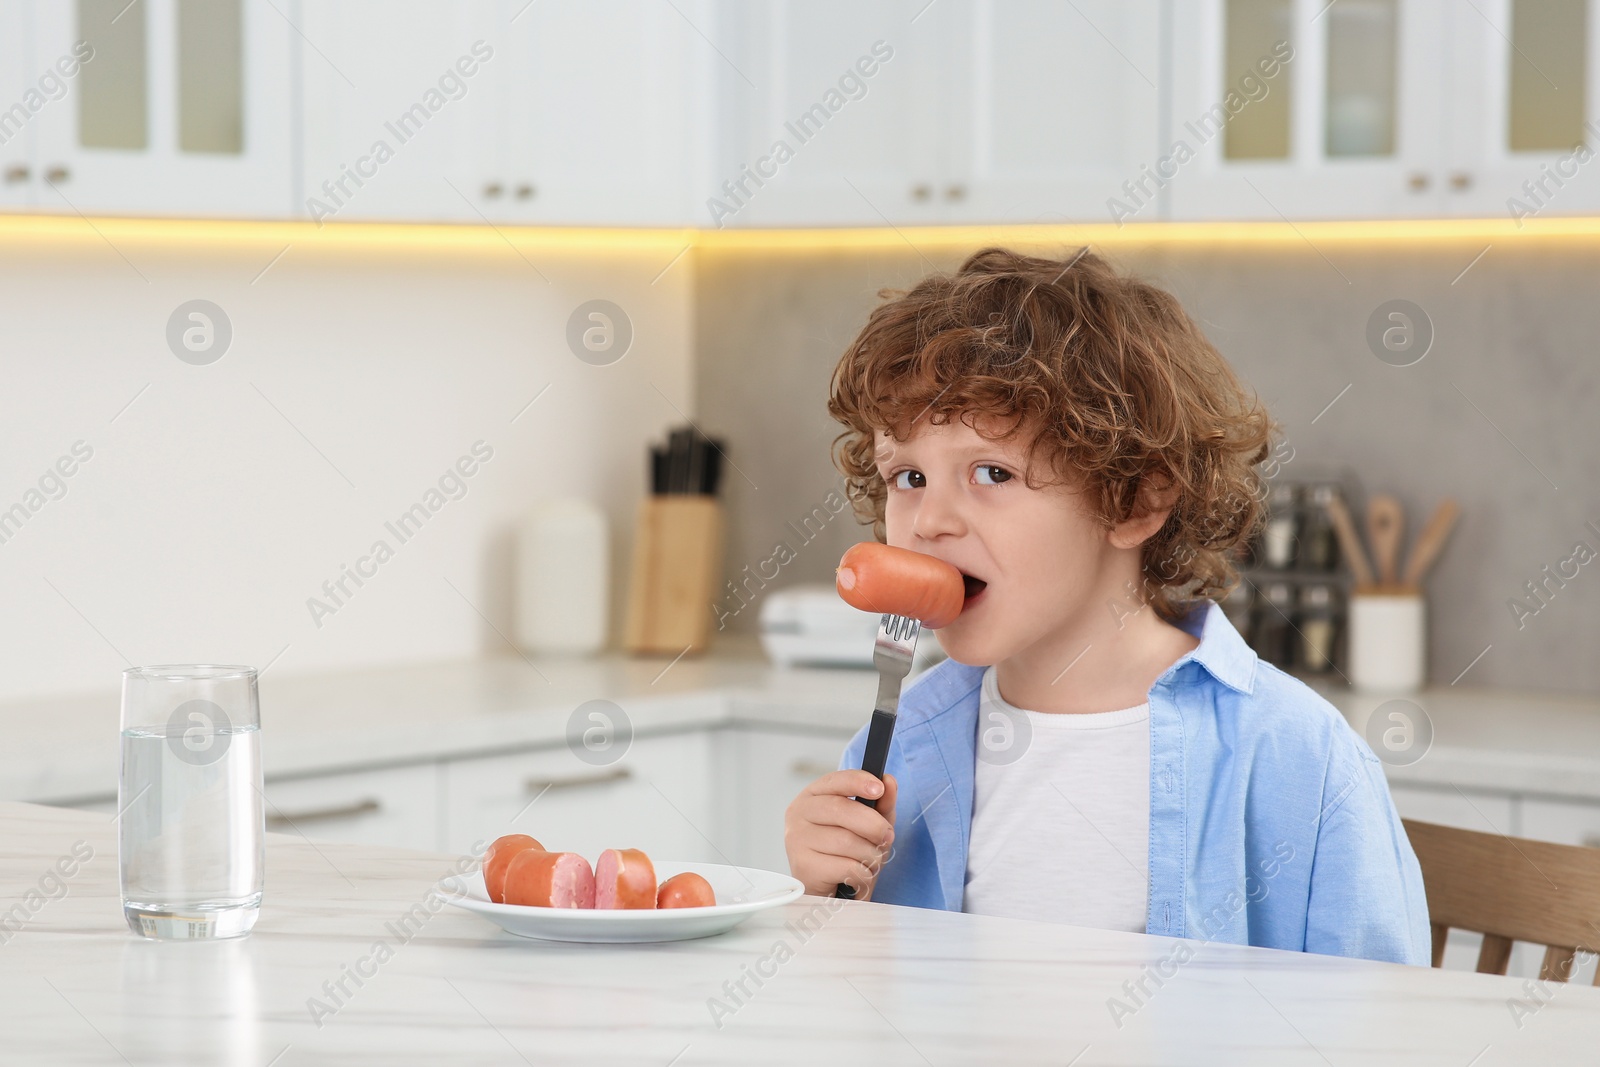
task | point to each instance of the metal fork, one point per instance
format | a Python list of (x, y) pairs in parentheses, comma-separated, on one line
[(891, 655)]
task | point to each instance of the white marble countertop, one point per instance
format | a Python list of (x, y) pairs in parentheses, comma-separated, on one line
[(1520, 742), (65, 748), (862, 983)]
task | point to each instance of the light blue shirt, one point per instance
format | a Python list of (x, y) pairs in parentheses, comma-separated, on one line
[(1270, 818)]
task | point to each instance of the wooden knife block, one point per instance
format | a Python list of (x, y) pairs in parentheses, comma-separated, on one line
[(677, 567)]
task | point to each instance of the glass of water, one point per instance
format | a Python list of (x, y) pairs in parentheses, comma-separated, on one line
[(192, 833)]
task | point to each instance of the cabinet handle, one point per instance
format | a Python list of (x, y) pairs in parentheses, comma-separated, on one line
[(956, 192), (526, 191), (1460, 180), (57, 174), (281, 821), (810, 768), (492, 191), (1418, 182), (539, 785), (17, 172), (921, 191)]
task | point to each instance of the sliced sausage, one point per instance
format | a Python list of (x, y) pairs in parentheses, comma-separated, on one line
[(550, 880), (898, 581), (624, 878), (686, 890), (498, 858)]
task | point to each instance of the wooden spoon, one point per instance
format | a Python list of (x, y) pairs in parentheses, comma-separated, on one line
[(1349, 541), (1431, 540), (1386, 525)]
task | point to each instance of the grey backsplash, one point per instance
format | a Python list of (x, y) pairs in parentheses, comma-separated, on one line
[(1502, 413)]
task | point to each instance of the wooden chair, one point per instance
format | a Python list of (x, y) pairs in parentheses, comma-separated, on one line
[(1510, 889)]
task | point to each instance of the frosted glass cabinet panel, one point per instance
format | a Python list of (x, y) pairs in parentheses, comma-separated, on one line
[(211, 76), (113, 101), (1362, 93), (1253, 30), (1547, 66)]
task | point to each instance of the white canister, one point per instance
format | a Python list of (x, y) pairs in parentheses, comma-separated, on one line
[(1388, 639), (562, 577)]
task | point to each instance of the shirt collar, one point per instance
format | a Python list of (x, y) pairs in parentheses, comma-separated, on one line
[(1222, 652)]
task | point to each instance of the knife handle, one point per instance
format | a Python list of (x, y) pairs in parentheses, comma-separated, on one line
[(873, 759)]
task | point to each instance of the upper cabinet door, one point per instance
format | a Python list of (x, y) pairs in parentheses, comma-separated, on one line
[(600, 111), (831, 112), (555, 111), (173, 107), (1304, 109), (1060, 108), (394, 95), (1523, 136), (24, 92)]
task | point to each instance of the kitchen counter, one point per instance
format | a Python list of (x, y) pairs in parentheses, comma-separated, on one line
[(392, 715), (64, 749), (855, 982)]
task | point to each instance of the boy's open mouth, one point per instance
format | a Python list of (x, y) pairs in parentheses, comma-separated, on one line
[(973, 586)]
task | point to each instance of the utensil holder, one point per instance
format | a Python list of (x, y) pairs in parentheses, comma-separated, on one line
[(1388, 639), (677, 562)]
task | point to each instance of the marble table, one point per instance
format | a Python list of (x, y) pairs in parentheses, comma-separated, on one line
[(823, 982)]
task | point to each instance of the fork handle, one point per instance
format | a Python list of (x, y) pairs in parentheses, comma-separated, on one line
[(873, 759)]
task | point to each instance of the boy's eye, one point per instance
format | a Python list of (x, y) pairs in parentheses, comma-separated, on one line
[(908, 480), (992, 475)]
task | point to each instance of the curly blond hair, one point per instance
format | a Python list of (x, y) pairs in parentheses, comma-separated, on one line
[(1124, 397)]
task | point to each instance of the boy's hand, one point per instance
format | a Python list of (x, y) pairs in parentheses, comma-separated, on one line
[(831, 837)]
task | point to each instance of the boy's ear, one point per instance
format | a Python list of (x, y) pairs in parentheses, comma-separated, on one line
[(1156, 499)]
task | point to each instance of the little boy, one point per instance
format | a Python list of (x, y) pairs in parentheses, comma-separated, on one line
[(1101, 747)]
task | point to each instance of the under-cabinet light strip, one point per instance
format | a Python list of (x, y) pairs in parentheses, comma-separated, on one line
[(469, 237)]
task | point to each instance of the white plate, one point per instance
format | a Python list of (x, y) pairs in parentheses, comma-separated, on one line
[(741, 892)]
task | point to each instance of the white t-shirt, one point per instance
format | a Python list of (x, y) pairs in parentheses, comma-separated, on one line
[(1060, 815)]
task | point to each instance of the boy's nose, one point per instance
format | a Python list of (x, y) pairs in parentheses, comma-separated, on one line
[(938, 515)]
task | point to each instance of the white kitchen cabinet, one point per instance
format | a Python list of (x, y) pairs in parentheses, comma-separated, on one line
[(18, 80), (1060, 108), (831, 112), (105, 805), (392, 92), (912, 113), (178, 109), (1467, 809), (396, 806), (657, 797), (598, 113), (399, 807), (1388, 108), (767, 769), (1566, 822), (502, 111), (1525, 88), (1301, 109)]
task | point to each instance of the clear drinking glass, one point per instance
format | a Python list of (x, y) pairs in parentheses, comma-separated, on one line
[(192, 831)]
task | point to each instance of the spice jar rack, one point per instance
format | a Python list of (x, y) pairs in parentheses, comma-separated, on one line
[(1292, 602)]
